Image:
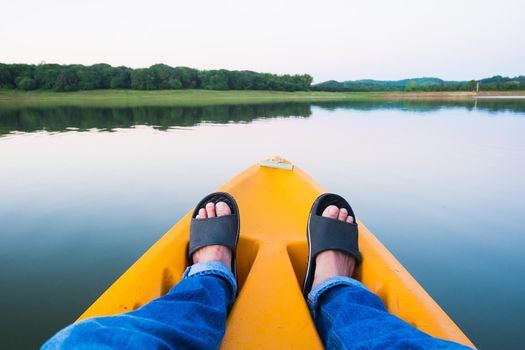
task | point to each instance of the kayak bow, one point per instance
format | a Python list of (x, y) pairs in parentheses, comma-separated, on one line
[(270, 312)]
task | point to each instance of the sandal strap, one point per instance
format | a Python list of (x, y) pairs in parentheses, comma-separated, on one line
[(219, 230), (333, 234)]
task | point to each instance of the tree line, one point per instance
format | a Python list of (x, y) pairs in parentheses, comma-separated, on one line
[(76, 77)]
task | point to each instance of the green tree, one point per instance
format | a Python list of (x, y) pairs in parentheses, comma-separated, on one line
[(46, 75), (121, 78), (67, 80), (165, 77), (411, 86), (88, 79), (188, 77), (143, 79), (25, 83), (214, 80), (174, 83), (104, 73), (6, 77)]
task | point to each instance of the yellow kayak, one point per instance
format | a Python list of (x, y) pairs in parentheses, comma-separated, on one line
[(274, 198)]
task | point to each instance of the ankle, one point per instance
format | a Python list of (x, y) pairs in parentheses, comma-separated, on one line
[(332, 263), (217, 253)]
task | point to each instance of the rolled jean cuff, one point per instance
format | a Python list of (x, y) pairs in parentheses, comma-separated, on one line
[(321, 288), (214, 268)]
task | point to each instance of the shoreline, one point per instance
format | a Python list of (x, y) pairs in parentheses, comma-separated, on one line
[(230, 97), (450, 95)]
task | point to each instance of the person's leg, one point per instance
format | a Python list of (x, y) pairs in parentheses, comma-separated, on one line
[(348, 316), (192, 315)]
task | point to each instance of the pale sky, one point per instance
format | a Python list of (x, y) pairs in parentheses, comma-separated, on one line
[(341, 40)]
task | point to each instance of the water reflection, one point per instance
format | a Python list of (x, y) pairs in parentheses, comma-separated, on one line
[(59, 119), (67, 118), (510, 105)]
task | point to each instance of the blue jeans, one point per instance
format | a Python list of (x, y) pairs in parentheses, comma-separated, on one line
[(192, 315)]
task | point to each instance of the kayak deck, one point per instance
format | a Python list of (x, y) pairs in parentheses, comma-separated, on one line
[(270, 310)]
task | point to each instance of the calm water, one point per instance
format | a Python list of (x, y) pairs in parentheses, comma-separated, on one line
[(85, 191)]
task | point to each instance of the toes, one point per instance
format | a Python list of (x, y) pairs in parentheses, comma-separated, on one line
[(331, 211), (210, 210), (202, 214), (222, 209), (343, 214), (350, 219)]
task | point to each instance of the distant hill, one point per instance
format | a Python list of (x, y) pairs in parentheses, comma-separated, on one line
[(500, 79), (403, 82), (423, 84)]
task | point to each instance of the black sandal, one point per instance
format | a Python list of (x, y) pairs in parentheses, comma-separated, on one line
[(329, 234), (219, 230)]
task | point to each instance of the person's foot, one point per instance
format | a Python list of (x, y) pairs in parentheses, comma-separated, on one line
[(331, 263), (218, 253)]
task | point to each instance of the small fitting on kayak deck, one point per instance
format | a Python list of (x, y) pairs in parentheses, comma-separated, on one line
[(277, 163)]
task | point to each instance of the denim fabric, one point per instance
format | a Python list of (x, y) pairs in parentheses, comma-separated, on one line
[(348, 316), (319, 289), (192, 315), (213, 268)]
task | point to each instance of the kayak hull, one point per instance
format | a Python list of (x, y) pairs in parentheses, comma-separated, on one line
[(271, 260)]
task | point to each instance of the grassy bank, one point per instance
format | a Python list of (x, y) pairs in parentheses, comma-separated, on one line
[(116, 98)]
